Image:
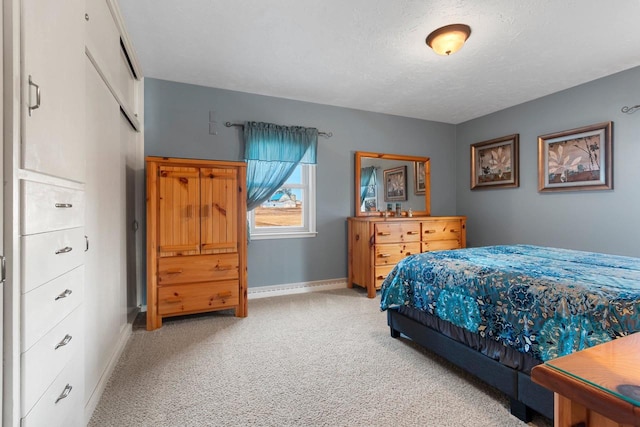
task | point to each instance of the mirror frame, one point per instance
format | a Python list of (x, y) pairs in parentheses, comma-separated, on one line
[(427, 180)]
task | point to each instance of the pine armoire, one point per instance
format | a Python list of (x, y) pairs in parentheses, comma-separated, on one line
[(196, 237)]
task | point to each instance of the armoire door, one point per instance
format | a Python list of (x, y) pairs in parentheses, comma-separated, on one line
[(178, 211), (219, 199)]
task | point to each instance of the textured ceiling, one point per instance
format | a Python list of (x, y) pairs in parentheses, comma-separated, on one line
[(371, 54)]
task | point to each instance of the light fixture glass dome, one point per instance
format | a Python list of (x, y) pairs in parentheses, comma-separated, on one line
[(448, 39)]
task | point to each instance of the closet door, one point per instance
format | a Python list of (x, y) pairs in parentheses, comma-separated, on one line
[(179, 211), (219, 198), (53, 88)]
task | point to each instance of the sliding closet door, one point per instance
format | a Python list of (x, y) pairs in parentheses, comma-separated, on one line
[(105, 212)]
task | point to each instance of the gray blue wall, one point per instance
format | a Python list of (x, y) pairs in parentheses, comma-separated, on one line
[(602, 221), (177, 125)]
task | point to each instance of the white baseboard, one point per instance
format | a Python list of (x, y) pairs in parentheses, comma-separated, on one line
[(96, 394), (296, 288)]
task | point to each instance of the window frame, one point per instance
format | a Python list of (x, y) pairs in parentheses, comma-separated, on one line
[(308, 228)]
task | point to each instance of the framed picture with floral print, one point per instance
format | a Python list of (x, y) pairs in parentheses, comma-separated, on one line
[(395, 184), (494, 163), (576, 159)]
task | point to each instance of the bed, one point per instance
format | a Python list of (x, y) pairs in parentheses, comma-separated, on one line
[(497, 311)]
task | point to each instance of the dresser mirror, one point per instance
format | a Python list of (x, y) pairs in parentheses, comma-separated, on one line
[(382, 181)]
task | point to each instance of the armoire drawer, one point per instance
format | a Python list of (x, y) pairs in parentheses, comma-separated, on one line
[(46, 256), (45, 306), (191, 298), (48, 207), (197, 268), (390, 254), (392, 232), (441, 230), (42, 363), (58, 406)]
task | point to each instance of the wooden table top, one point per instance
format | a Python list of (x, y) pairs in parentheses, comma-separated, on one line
[(605, 378)]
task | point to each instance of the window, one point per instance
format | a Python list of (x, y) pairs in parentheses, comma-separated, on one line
[(291, 211)]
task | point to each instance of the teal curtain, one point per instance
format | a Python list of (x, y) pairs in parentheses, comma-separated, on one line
[(272, 152), (367, 178)]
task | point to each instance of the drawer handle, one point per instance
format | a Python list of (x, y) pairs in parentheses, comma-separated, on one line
[(410, 232), (64, 205), (64, 341), (223, 267), (384, 233), (174, 271), (226, 294), (453, 231), (65, 294), (380, 277), (65, 393), (64, 250), (429, 231), (385, 255)]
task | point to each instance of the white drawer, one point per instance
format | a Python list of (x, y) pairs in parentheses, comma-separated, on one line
[(42, 363), (48, 207), (46, 256), (45, 306), (67, 411)]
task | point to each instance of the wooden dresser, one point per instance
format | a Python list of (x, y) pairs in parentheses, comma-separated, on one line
[(377, 244), (196, 237)]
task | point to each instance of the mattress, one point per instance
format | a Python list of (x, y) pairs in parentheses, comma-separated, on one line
[(543, 302)]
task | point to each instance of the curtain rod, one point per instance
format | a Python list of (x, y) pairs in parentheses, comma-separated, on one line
[(229, 124), (630, 110)]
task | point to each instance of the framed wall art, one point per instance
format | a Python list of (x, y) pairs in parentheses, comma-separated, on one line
[(576, 159), (395, 184), (494, 163)]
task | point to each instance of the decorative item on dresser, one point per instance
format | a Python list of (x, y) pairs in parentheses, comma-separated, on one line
[(196, 237), (377, 244)]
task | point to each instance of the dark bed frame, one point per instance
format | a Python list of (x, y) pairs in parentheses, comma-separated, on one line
[(524, 395)]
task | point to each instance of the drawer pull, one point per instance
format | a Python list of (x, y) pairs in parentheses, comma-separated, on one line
[(453, 231), (64, 341), (64, 205), (64, 250), (410, 232), (385, 255), (65, 294), (65, 393), (429, 231), (223, 267), (384, 233), (174, 271), (380, 277)]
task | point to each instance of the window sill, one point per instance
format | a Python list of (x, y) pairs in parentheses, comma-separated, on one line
[(300, 235)]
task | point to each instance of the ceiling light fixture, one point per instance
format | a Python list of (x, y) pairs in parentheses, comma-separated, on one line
[(448, 39)]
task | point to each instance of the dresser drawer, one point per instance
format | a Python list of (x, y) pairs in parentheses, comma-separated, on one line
[(48, 207), (392, 253), (440, 245), (68, 390), (46, 358), (45, 306), (441, 230), (190, 298), (45, 256), (391, 232), (197, 268), (381, 273)]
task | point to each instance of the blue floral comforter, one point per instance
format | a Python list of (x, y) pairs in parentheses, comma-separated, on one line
[(546, 302)]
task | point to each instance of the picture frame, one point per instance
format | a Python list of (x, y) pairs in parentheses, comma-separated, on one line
[(495, 163), (395, 184), (576, 159), (419, 178)]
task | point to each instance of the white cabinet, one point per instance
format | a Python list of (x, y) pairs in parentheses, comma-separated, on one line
[(53, 107)]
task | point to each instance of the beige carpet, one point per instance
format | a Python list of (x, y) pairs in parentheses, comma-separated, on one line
[(316, 359)]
